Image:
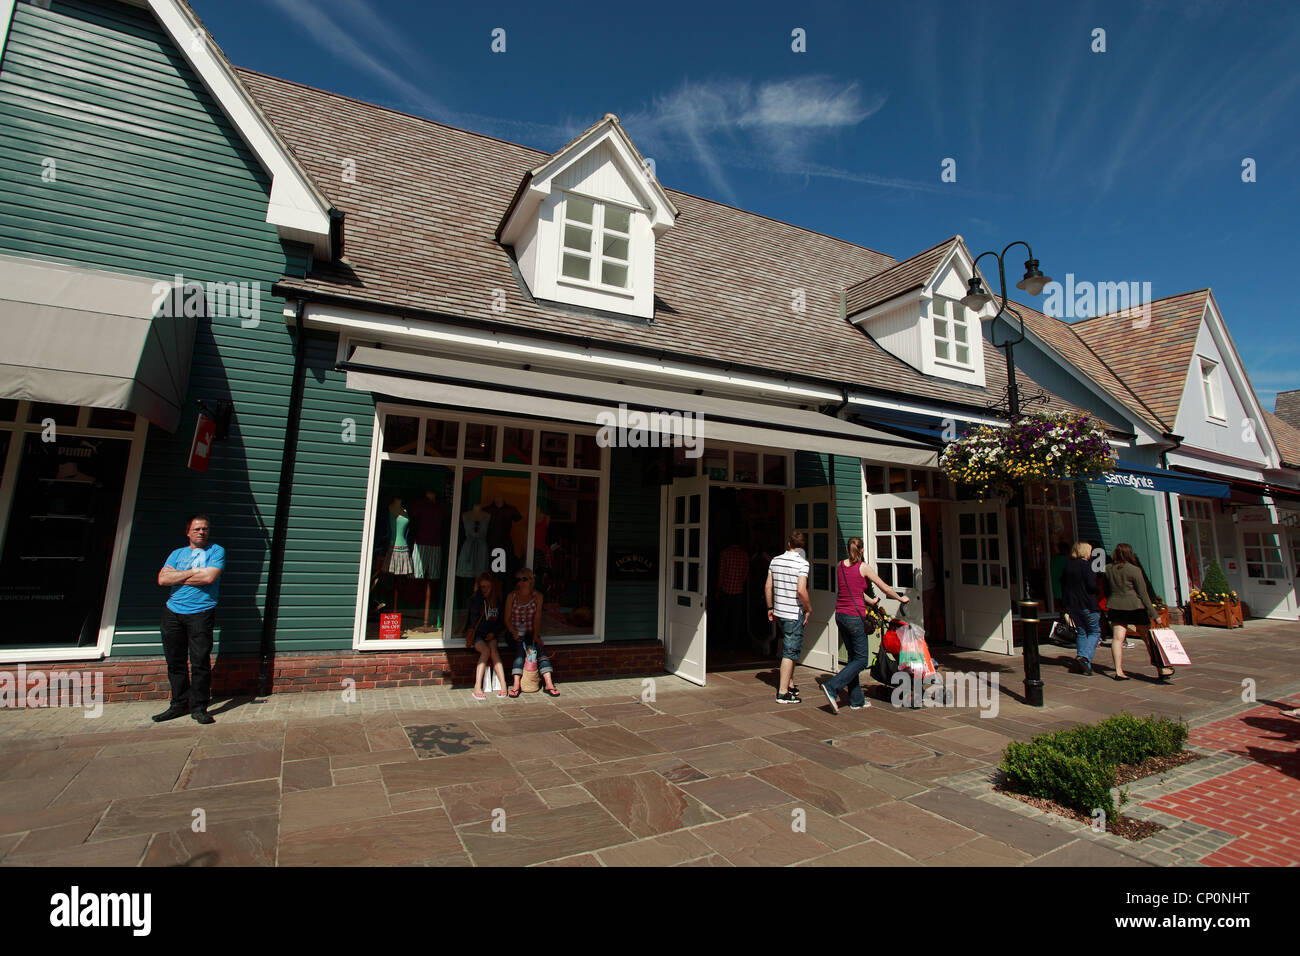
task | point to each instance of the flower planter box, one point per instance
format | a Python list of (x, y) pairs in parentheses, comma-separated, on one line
[(1216, 614), (1163, 619)]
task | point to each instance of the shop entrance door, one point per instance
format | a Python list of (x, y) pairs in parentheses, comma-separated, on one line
[(894, 549), (812, 511), (1268, 579), (977, 556), (687, 570)]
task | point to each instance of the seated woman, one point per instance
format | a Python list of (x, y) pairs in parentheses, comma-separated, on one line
[(523, 621), (484, 625)]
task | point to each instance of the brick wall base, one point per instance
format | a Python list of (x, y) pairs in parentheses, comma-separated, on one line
[(145, 678)]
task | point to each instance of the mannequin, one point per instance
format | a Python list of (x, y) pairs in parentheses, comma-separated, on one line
[(474, 558), (430, 517), (502, 517), (398, 562)]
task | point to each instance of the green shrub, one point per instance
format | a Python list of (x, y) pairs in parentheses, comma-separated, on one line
[(1077, 767), (1215, 582)]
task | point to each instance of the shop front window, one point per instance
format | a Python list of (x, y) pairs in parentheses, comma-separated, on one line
[(1198, 538), (59, 543), (564, 552), (408, 567), (492, 531), (1050, 520)]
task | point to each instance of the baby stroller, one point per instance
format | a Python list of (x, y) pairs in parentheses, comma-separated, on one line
[(903, 650)]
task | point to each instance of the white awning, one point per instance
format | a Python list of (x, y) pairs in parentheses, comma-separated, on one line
[(514, 391), (83, 337)]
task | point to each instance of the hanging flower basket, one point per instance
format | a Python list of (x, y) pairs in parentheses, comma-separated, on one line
[(1042, 447)]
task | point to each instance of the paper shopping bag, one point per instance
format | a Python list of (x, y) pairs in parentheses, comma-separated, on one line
[(1171, 648)]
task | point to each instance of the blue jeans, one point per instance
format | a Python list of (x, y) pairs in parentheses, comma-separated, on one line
[(1089, 627), (854, 635), (791, 638), (543, 662)]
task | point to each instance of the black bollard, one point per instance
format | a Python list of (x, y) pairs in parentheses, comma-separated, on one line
[(1029, 646)]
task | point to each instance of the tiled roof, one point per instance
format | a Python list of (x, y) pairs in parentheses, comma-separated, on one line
[(1286, 406), (1064, 338), (909, 274), (1151, 357), (1286, 437), (427, 199)]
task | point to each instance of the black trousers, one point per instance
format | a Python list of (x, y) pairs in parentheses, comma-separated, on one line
[(187, 646)]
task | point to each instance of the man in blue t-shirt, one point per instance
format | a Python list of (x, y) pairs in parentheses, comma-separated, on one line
[(193, 573)]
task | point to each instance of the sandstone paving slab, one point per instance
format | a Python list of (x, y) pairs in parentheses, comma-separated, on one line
[(309, 774), (8, 842), (146, 746), (310, 809), (736, 794), (58, 837), (638, 724), (885, 749), (884, 780), (758, 840), (374, 758), (65, 762), (495, 726), (396, 839), (188, 730), (612, 743), (565, 796), (982, 851), (468, 802), (830, 792), (647, 804), (682, 773), (810, 746), (446, 739), (387, 737), (414, 800), (19, 821), (546, 835), (832, 831), (121, 777), (761, 724), (720, 759), (348, 775), (938, 767), (912, 832), (1000, 824), (616, 711), (581, 859), (668, 849), (716, 859), (660, 763), (870, 853), (213, 771), (250, 842), (339, 736), (530, 746), (126, 851), (1087, 853), (206, 749), (445, 771), (966, 740), (542, 773), (710, 716)]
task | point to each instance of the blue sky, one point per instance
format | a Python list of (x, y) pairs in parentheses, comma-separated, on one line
[(1117, 166)]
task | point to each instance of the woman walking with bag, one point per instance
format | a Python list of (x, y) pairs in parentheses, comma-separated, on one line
[(1129, 605), (524, 622), (1079, 594), (856, 623)]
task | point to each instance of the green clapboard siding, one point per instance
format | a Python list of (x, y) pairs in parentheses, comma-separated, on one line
[(151, 179), (848, 500), (1109, 516), (632, 607), (811, 469)]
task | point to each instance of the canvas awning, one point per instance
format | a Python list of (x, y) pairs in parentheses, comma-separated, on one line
[(84, 337), (463, 384), (1158, 479)]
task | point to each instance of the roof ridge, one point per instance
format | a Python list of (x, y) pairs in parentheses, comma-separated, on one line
[(545, 155), (956, 237), (1122, 313)]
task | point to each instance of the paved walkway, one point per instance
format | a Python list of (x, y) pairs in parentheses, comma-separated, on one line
[(629, 772)]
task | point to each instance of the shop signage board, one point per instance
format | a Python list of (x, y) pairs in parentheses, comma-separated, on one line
[(205, 429), (390, 626), (633, 564)]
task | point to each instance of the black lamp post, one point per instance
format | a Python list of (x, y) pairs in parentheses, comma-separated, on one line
[(976, 298)]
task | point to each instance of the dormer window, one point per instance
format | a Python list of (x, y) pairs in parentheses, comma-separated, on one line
[(951, 333), (597, 239)]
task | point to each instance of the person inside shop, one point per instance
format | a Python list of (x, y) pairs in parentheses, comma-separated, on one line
[(484, 628), (194, 575), (1079, 594), (523, 620), (733, 569), (1129, 605)]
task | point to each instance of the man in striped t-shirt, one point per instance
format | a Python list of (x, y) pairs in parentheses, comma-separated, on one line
[(788, 605)]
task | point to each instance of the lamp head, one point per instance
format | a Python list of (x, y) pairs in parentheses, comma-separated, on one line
[(1034, 281), (975, 298)]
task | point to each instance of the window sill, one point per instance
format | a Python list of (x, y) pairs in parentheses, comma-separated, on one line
[(595, 287)]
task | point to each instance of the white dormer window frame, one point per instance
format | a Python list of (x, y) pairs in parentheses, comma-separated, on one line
[(950, 334), (603, 241), (1212, 391)]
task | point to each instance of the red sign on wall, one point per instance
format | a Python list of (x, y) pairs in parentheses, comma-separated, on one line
[(390, 626), (201, 448)]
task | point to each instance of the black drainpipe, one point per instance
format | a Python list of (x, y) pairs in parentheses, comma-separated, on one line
[(283, 498), (1169, 515)]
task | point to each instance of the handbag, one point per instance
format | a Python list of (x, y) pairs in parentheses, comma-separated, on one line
[(1064, 632), (531, 682)]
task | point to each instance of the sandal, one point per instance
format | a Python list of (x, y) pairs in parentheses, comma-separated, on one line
[(479, 695), (551, 692), (514, 692), (1120, 677), (501, 692)]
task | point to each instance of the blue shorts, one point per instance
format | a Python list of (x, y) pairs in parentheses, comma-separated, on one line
[(791, 638)]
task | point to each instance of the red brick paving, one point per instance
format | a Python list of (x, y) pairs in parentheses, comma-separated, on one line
[(1260, 804)]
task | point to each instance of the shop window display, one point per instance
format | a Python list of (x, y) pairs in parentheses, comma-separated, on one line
[(492, 533), (564, 552), (408, 566)]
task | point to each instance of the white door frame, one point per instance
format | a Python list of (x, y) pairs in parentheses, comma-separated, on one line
[(686, 617), (820, 636), (1001, 640)]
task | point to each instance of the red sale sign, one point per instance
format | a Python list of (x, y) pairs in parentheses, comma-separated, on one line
[(201, 448), (390, 627)]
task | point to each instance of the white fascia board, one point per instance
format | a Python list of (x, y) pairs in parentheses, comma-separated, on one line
[(296, 204), (1213, 318), (1221, 466), (913, 408), (6, 17), (421, 333)]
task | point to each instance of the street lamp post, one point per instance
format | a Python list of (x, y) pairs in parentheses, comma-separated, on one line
[(976, 298)]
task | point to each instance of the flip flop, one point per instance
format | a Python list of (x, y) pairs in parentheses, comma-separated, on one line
[(514, 692), (551, 692), (479, 695)]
